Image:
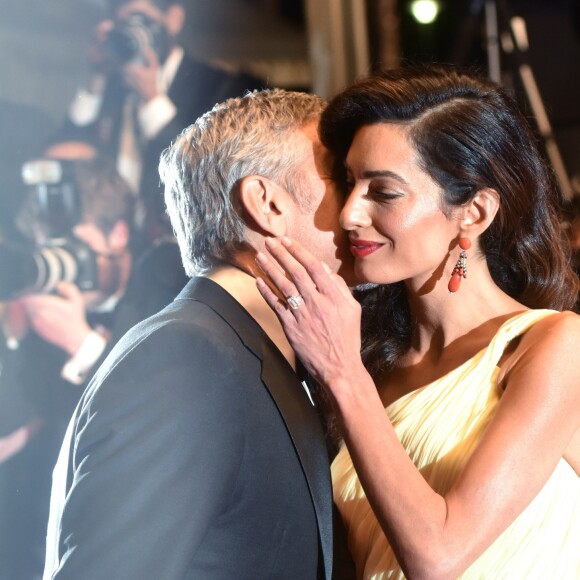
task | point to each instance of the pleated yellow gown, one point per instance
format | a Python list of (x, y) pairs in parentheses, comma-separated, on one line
[(439, 425)]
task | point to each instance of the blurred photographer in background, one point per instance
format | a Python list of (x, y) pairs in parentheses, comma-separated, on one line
[(77, 217), (70, 294), (143, 90)]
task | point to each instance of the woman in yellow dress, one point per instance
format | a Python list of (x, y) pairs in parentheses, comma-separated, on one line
[(461, 430)]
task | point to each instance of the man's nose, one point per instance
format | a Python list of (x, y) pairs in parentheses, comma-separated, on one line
[(354, 213)]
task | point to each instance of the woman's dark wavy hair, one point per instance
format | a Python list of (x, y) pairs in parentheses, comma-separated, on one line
[(469, 134)]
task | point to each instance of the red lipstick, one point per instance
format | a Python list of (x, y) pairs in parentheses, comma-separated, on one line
[(362, 248)]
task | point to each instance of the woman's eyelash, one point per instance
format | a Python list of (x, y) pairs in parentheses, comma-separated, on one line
[(383, 194), (348, 186)]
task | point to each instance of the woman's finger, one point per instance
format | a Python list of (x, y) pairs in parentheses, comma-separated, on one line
[(319, 272), (306, 271), (277, 276), (276, 304), (294, 269), (271, 267), (340, 283)]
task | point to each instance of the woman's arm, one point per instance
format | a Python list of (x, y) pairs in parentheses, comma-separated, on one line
[(432, 535)]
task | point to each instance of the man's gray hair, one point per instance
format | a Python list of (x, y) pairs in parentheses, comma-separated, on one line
[(252, 135)]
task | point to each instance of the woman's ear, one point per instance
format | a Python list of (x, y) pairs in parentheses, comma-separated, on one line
[(261, 200), (480, 213)]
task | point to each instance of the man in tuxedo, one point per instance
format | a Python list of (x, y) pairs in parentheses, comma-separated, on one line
[(197, 450), (143, 90)]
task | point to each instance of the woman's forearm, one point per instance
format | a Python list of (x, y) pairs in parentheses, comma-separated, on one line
[(412, 515)]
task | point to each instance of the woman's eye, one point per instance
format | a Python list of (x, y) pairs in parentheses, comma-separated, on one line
[(383, 195)]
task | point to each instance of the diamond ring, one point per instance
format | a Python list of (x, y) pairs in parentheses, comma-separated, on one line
[(294, 301)]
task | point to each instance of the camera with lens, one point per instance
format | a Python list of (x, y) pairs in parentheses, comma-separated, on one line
[(131, 37), (61, 257)]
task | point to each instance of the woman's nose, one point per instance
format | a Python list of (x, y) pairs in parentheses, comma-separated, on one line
[(354, 213)]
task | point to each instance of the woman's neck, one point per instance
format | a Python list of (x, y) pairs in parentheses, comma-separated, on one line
[(441, 319)]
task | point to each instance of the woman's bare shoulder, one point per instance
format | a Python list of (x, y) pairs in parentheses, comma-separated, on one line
[(545, 359), (559, 332)]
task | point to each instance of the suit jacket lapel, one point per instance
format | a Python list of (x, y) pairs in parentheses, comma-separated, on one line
[(300, 416), (305, 429)]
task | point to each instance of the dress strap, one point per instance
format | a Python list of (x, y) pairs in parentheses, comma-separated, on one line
[(512, 328)]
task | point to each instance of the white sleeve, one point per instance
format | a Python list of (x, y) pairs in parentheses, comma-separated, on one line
[(155, 115), (85, 107), (76, 368)]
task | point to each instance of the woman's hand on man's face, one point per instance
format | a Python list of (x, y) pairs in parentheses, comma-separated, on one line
[(319, 315)]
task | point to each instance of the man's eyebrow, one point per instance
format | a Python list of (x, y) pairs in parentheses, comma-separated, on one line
[(371, 173)]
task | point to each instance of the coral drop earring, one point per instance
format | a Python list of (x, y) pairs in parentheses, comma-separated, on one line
[(460, 270)]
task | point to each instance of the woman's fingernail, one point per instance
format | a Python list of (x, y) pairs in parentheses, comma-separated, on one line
[(261, 258), (260, 283), (271, 243), (286, 241)]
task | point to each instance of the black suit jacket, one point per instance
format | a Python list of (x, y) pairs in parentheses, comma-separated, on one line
[(194, 453)]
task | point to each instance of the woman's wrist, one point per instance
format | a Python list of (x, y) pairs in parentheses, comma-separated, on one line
[(348, 387)]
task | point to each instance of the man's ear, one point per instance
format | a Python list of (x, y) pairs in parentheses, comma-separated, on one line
[(175, 19), (477, 216), (262, 202), (119, 236)]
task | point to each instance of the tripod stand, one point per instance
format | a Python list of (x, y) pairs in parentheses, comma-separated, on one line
[(504, 32)]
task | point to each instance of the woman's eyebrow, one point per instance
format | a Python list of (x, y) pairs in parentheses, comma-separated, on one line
[(371, 173)]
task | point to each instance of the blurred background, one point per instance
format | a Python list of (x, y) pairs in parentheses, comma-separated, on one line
[(317, 45), (530, 46)]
